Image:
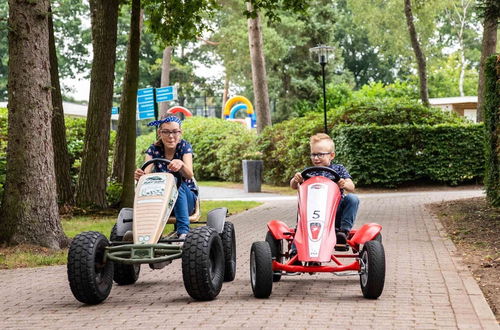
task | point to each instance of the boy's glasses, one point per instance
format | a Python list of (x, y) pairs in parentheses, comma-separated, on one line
[(169, 133), (320, 154)]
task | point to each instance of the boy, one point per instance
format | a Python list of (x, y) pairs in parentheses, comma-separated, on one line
[(322, 154)]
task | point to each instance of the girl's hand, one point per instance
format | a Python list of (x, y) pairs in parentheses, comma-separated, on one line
[(175, 165), (138, 173)]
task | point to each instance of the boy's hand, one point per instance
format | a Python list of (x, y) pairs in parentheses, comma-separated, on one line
[(298, 178), (341, 183)]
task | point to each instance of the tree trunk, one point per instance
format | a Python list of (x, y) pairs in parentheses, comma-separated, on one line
[(419, 55), (225, 94), (259, 78), (165, 78), (129, 103), (91, 188), (488, 48), (29, 210), (61, 155)]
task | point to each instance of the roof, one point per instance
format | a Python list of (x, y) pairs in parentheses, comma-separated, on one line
[(453, 100)]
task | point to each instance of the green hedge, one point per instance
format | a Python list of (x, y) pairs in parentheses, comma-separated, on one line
[(492, 129), (219, 147), (285, 146), (391, 155)]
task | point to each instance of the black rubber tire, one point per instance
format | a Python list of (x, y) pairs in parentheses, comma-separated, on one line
[(373, 278), (275, 246), (124, 274), (228, 237), (90, 279), (203, 263), (378, 238), (261, 270)]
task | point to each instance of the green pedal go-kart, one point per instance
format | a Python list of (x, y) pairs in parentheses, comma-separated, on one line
[(208, 252)]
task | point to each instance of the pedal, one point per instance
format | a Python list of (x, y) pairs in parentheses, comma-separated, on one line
[(341, 247), (160, 265)]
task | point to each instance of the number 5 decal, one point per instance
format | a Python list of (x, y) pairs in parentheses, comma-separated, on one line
[(316, 214)]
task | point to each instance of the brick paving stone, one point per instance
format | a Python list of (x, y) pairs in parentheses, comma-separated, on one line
[(427, 286)]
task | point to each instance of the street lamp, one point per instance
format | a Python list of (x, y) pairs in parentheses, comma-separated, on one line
[(323, 51)]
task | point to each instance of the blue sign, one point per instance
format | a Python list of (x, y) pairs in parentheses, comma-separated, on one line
[(144, 107), (165, 90), (146, 114), (166, 93), (145, 98), (164, 97), (115, 110), (145, 91)]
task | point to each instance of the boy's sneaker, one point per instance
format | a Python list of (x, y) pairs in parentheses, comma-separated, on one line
[(341, 241)]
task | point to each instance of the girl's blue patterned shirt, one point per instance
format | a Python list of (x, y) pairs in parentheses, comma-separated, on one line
[(182, 148)]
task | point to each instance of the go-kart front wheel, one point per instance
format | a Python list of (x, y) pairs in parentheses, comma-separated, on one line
[(124, 274), (203, 263), (90, 276), (261, 269), (372, 275), (228, 237)]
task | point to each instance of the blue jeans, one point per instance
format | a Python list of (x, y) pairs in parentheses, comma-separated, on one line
[(183, 207), (346, 212)]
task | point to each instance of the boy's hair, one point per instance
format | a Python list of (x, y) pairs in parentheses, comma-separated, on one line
[(320, 137)]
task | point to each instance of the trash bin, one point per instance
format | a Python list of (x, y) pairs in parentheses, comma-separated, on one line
[(252, 175)]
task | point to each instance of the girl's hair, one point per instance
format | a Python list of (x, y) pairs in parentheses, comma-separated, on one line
[(322, 137)]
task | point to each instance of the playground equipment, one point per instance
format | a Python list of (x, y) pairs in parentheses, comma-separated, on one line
[(178, 108), (237, 103)]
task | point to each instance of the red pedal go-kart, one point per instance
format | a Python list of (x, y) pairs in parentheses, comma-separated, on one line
[(315, 242)]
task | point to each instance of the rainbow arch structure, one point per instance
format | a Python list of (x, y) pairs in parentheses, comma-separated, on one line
[(237, 103), (178, 108)]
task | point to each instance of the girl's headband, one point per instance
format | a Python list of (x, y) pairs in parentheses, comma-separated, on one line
[(166, 120)]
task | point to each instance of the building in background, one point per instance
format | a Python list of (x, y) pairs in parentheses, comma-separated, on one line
[(464, 106)]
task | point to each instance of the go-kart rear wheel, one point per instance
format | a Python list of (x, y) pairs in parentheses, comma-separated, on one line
[(372, 277), (203, 263), (90, 276), (228, 237), (261, 269), (124, 274), (275, 246)]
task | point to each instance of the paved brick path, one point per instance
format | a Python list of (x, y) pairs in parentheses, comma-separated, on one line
[(427, 287)]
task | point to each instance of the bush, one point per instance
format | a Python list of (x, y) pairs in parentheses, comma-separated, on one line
[(382, 155), (219, 147), (390, 111), (391, 155), (492, 129)]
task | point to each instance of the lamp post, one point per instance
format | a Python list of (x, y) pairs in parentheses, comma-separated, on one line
[(323, 51)]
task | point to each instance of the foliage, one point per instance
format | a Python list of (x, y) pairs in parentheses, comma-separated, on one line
[(4, 52), (113, 193), (219, 147), (285, 146), (176, 21), (441, 153), (492, 129), (392, 111)]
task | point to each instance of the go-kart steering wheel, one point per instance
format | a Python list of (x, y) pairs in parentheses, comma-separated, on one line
[(177, 175), (308, 172)]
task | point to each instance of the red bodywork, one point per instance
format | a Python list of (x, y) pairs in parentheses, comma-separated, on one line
[(315, 237)]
